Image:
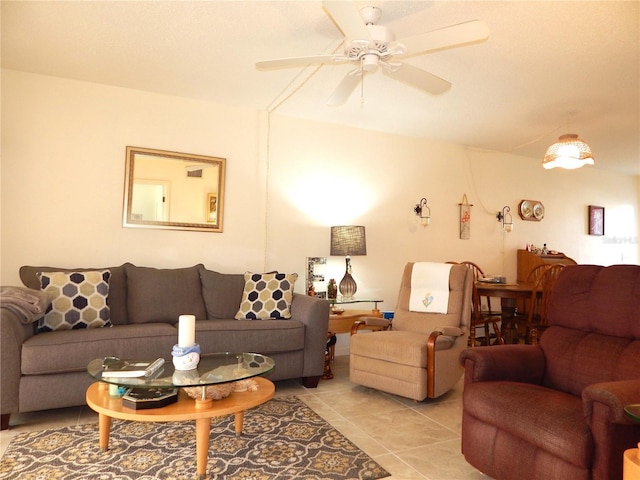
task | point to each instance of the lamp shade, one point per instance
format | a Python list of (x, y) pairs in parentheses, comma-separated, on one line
[(568, 152), (348, 240)]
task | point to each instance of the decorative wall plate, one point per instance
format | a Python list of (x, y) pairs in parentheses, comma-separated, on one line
[(526, 211), (531, 210), (538, 211)]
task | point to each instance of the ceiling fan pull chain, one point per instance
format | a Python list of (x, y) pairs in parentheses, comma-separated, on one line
[(362, 82)]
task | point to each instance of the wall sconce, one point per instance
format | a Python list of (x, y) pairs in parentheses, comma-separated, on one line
[(505, 217), (424, 212)]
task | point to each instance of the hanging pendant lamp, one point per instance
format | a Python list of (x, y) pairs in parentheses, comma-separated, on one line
[(568, 152)]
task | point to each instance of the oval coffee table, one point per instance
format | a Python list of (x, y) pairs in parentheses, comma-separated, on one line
[(186, 408)]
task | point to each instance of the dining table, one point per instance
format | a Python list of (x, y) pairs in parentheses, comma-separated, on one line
[(509, 294)]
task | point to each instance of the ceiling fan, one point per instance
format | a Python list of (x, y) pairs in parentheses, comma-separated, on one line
[(370, 46)]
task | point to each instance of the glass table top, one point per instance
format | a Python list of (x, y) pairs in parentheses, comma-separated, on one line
[(633, 412), (344, 301), (213, 369)]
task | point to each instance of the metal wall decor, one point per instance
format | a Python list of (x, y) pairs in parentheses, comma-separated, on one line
[(531, 210)]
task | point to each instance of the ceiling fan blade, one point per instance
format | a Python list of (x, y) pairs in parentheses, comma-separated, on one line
[(344, 90), (418, 78), (447, 37), (297, 62), (348, 19)]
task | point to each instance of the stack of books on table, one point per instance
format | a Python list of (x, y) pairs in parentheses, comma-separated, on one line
[(141, 398), (114, 367)]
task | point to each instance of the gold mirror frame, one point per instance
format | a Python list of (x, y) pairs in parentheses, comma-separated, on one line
[(188, 190)]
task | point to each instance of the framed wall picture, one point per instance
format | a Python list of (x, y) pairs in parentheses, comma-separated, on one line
[(212, 207), (596, 220)]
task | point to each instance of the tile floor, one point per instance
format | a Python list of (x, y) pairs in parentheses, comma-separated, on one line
[(411, 440)]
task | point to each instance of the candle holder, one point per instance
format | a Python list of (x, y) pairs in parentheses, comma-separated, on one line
[(186, 358), (182, 377)]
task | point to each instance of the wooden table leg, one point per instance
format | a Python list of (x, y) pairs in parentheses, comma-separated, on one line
[(203, 428), (104, 427), (239, 423), (329, 355), (509, 330)]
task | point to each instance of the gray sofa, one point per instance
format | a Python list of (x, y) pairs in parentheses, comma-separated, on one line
[(47, 370)]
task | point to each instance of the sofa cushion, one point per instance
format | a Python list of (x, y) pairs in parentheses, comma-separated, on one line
[(597, 299), (71, 350), (162, 295), (117, 299), (221, 292), (396, 347), (266, 295), (265, 337), (78, 300), (547, 419), (576, 358)]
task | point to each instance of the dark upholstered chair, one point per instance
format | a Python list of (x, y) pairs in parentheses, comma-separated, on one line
[(555, 410)]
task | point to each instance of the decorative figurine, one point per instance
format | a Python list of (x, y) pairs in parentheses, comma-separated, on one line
[(186, 358), (332, 289)]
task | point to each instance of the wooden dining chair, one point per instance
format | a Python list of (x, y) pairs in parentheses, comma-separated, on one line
[(484, 319), (524, 307), (539, 301)]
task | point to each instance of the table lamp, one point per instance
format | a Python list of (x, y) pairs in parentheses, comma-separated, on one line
[(348, 240)]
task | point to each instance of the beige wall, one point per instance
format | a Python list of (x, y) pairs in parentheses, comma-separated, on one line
[(288, 180)]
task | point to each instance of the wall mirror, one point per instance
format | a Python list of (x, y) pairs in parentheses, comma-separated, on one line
[(176, 191)]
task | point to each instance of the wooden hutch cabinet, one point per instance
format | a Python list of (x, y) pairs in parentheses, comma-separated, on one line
[(527, 261)]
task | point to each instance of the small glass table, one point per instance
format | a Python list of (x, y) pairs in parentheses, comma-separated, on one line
[(633, 412), (213, 370), (346, 301), (631, 456)]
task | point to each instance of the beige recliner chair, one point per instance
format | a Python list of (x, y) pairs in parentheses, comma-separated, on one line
[(418, 356)]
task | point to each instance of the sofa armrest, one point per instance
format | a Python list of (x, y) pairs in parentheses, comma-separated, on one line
[(313, 312), (613, 396), (13, 333), (515, 363)]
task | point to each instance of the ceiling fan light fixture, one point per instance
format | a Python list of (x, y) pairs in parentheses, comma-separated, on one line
[(569, 152), (368, 46), (370, 62)]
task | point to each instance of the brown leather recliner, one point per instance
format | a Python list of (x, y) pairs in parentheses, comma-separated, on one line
[(556, 410)]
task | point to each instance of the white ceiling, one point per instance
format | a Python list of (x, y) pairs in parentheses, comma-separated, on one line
[(547, 67)]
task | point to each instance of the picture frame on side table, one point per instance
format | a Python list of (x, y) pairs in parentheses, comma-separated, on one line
[(596, 220)]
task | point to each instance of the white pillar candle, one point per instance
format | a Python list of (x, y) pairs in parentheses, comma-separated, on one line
[(186, 330)]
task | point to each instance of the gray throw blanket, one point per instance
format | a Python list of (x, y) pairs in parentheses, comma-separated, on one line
[(27, 303)]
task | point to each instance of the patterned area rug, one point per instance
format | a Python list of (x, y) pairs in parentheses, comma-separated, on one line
[(282, 439)]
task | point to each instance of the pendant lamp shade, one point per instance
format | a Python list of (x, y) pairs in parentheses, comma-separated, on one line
[(568, 152)]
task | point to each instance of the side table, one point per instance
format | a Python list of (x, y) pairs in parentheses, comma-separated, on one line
[(631, 458), (342, 324)]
